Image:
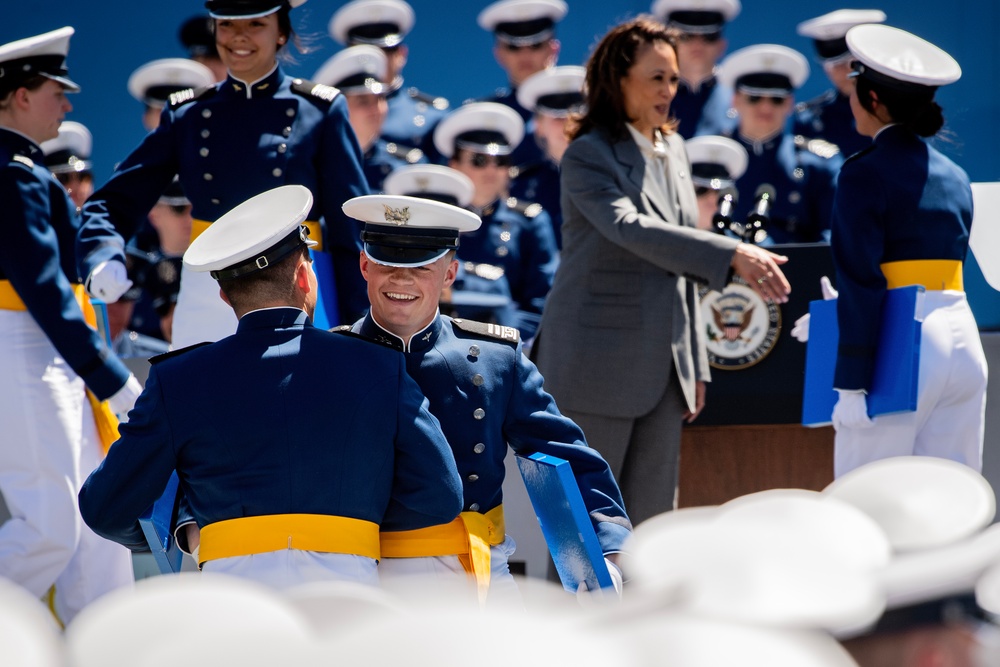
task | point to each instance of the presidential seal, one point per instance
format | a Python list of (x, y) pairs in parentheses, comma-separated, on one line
[(741, 328)]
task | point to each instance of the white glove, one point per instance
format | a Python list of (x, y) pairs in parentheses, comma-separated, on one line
[(108, 281), (800, 331), (124, 398), (851, 411), (583, 593)]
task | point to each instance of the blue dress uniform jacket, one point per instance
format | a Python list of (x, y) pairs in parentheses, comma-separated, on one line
[(804, 183), (538, 182), (517, 236), (829, 117), (411, 120), (898, 200), (488, 395), (703, 111), (39, 226), (231, 142), (382, 158), (276, 436)]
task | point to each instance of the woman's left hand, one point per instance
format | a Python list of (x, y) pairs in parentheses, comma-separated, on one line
[(699, 402)]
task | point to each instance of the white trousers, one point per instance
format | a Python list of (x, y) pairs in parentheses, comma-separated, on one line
[(950, 418), (201, 314), (48, 446), (291, 567), (411, 575)]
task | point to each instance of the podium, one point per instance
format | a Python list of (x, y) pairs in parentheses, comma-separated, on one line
[(749, 437)]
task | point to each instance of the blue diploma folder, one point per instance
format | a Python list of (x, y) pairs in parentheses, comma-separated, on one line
[(897, 362), (157, 524), (565, 522)]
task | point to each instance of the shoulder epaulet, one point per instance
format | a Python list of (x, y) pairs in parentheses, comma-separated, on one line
[(818, 101), (318, 90), (410, 155), (526, 208), (23, 159), (439, 103), (176, 353), (182, 97), (483, 270), (346, 330), (484, 330), (820, 147), (524, 169), (860, 153)]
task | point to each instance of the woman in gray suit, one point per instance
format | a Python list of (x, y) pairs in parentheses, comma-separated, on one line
[(621, 343)]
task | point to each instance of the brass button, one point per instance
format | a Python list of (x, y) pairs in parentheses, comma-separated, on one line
[(204, 134), (207, 177), (287, 131), (203, 152), (290, 113), (282, 148), (474, 507), (479, 448), (502, 251), (206, 113), (276, 172), (473, 477), (478, 380), (479, 413), (474, 351)]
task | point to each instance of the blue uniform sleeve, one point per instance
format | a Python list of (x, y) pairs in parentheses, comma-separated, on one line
[(133, 474), (427, 490), (29, 259), (342, 177), (539, 261), (114, 212), (857, 245), (534, 424)]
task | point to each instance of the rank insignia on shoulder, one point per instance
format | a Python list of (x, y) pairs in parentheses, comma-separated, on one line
[(505, 334), (176, 353), (25, 160), (820, 147), (317, 90), (384, 341), (526, 208), (182, 97)]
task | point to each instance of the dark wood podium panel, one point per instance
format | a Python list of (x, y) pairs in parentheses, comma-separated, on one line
[(719, 463)]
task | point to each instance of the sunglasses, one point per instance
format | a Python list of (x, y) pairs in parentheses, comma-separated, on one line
[(773, 99), (708, 37), (74, 177), (514, 48), (479, 160)]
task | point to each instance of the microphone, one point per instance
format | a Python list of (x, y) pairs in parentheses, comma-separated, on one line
[(723, 218), (760, 214)]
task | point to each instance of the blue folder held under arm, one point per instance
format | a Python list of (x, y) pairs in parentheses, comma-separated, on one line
[(897, 362), (157, 525), (565, 522)]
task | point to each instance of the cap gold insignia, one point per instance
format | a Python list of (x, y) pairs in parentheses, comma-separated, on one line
[(397, 216), (769, 61), (423, 183)]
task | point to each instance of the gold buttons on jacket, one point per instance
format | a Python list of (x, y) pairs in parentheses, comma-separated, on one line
[(473, 477), (478, 380), (479, 413), (479, 448), (474, 351)]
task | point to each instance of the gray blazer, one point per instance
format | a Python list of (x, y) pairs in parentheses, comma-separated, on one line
[(624, 309)]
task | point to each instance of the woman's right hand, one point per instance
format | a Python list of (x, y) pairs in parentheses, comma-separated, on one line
[(759, 268)]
